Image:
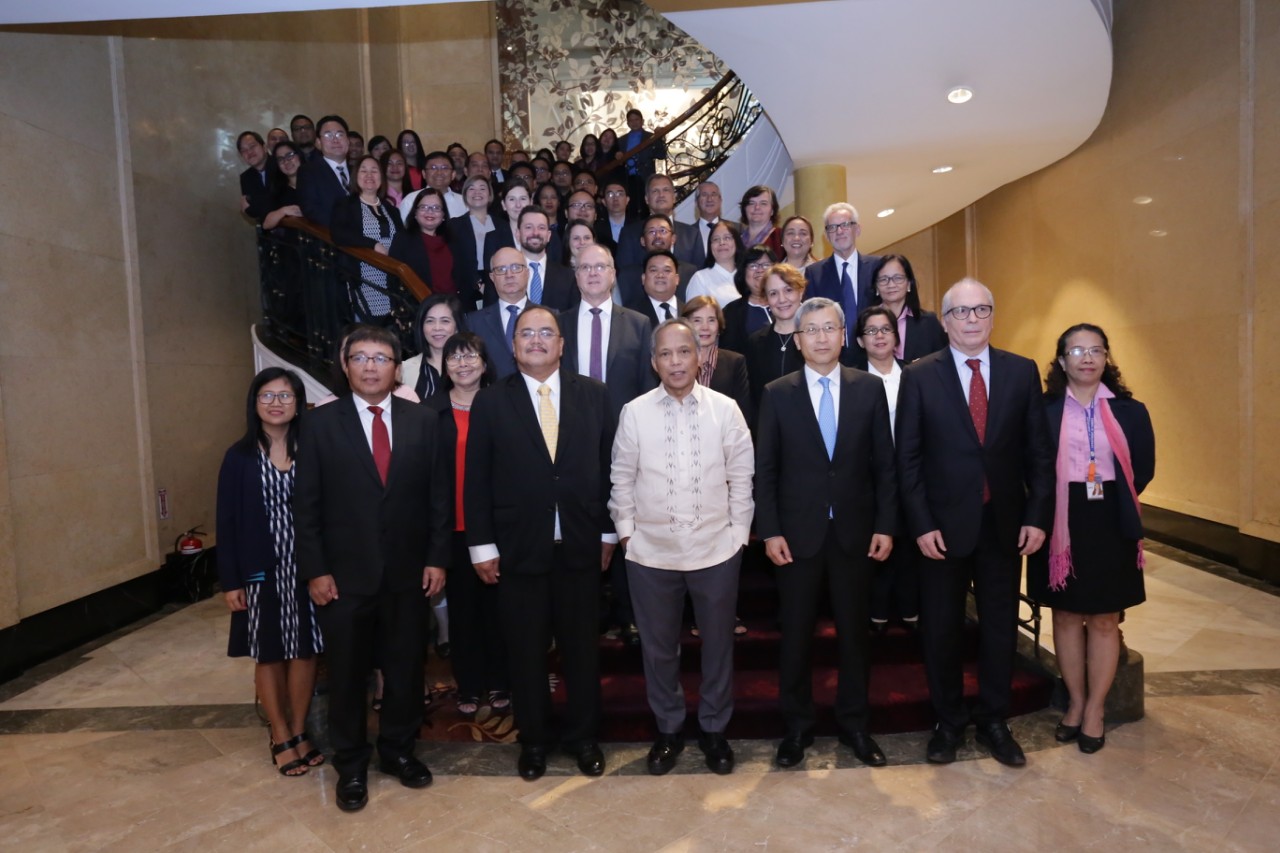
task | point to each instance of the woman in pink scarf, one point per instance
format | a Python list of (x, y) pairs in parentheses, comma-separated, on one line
[(1093, 566)]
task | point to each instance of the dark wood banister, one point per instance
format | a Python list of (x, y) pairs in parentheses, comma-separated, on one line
[(399, 269)]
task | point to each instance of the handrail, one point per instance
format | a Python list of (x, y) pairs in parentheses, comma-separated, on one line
[(391, 266)]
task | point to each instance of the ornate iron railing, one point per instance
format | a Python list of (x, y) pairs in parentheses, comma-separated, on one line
[(311, 288), (701, 138)]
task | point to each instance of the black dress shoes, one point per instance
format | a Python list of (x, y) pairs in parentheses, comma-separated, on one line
[(662, 757), (532, 763), (1065, 734), (411, 772), (791, 750), (590, 759), (943, 745), (1090, 745), (353, 792), (995, 736), (717, 751), (863, 746)]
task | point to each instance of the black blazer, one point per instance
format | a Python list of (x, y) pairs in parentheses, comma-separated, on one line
[(318, 189), (730, 379), (447, 435), (407, 246), (253, 188), (690, 247), (824, 280), (924, 335), (860, 488), (370, 537), (644, 305), (604, 235), (631, 285), (629, 361), (734, 335), (466, 276), (490, 325), (941, 465), (559, 287), (766, 361), (245, 545), (346, 223), (513, 488)]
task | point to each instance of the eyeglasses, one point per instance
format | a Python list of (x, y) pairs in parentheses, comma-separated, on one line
[(334, 134), (360, 359), (286, 157), (600, 268), (463, 358), (1081, 352), (615, 194), (759, 266), (836, 227), (269, 397), (440, 167), (430, 208), (657, 232), (546, 333), (580, 205), (828, 329), (897, 278), (877, 331), (961, 312), (508, 269)]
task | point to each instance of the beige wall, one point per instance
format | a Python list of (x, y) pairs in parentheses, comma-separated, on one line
[(129, 278), (1193, 122)]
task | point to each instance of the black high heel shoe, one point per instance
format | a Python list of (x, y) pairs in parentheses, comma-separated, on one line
[(1090, 745), (1065, 734), (287, 769)]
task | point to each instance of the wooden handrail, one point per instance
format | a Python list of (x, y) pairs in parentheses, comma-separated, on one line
[(389, 265)]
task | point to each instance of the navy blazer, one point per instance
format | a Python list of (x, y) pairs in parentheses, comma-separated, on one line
[(690, 247), (256, 190), (644, 305), (824, 280), (942, 465), (490, 325), (318, 189), (629, 360), (631, 281), (245, 546), (466, 275), (629, 251)]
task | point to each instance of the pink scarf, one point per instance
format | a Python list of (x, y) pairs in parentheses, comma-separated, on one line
[(1060, 567)]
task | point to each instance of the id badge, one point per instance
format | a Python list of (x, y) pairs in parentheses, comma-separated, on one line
[(1093, 490)]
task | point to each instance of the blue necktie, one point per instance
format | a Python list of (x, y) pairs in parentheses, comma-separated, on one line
[(827, 417), (535, 286), (849, 297), (514, 311)]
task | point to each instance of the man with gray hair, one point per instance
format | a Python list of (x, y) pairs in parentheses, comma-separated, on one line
[(681, 503), (845, 277), (826, 507), (975, 466)]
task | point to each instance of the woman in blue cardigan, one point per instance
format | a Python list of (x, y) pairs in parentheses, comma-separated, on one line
[(272, 618)]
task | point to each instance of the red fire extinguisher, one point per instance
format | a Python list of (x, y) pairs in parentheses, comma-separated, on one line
[(189, 543)]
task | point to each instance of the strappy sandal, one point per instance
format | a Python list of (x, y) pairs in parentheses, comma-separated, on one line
[(288, 769), (739, 630), (499, 700), (468, 706), (315, 757)]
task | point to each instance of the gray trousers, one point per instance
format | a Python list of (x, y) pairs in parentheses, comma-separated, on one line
[(658, 598)]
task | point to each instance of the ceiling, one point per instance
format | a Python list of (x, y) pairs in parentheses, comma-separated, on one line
[(861, 83)]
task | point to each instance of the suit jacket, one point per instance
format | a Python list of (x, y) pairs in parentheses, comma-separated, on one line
[(730, 379), (824, 280), (318, 189), (346, 223), (629, 251), (631, 286), (490, 325), (559, 287), (513, 489), (370, 537), (245, 544), (462, 240), (941, 464), (690, 247), (924, 335), (502, 237), (644, 305), (628, 362), (258, 193), (604, 235), (860, 488), (408, 247)]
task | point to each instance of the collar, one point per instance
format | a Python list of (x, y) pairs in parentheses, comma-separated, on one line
[(362, 406), (553, 382), (812, 376), (960, 358)]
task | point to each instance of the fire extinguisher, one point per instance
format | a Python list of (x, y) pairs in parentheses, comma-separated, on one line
[(189, 544), (191, 571)]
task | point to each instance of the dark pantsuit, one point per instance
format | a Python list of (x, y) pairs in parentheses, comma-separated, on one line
[(995, 573), (847, 578), (479, 655), (534, 608), (353, 626), (895, 584), (658, 596)]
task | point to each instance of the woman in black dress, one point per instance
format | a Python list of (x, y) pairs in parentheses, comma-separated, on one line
[(893, 285), (1093, 567), (746, 315), (272, 618), (772, 351)]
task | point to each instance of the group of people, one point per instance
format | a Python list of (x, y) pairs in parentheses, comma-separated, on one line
[(633, 416)]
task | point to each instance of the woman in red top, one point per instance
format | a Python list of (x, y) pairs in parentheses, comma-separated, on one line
[(424, 243)]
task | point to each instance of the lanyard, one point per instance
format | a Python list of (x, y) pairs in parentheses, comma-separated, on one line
[(1093, 454)]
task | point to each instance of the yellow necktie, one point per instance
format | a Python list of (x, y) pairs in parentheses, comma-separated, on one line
[(547, 416)]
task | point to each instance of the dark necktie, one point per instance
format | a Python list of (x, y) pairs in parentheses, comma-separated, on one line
[(514, 311), (978, 411), (381, 444), (342, 175), (596, 367), (666, 309)]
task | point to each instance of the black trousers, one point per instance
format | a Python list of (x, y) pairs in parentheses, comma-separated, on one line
[(895, 583), (534, 609), (479, 656), (846, 577), (353, 625), (994, 569)]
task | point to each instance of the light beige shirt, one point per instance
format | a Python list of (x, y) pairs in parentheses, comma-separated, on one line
[(682, 479)]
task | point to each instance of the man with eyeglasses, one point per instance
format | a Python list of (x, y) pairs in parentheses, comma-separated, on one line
[(536, 491), (845, 277), (438, 173), (303, 131), (826, 508), (255, 180), (707, 203), (660, 197), (609, 229), (496, 322), (581, 204), (371, 510), (325, 181), (975, 467), (657, 235)]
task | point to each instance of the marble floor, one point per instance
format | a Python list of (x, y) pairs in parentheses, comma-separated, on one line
[(148, 740)]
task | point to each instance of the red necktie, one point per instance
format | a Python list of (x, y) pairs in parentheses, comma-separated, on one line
[(978, 411), (381, 444)]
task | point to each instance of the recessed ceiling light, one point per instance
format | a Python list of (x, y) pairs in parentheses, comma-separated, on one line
[(1159, 232), (888, 211), (942, 170), (1142, 199), (960, 95)]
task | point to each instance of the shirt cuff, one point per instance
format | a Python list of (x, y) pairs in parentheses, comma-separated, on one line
[(625, 526), (483, 553), (609, 538)]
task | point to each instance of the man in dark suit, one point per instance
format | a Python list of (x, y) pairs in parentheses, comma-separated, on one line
[(255, 181), (707, 201), (657, 236), (660, 198), (325, 180), (496, 323), (303, 131), (537, 487), (371, 512), (641, 164), (975, 466), (550, 282), (845, 277), (616, 219), (825, 531), (660, 281), (494, 151)]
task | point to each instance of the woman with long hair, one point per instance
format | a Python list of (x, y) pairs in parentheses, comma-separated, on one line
[(396, 168), (724, 256), (589, 152), (439, 319), (284, 185), (743, 316), (759, 210), (408, 144), (797, 242), (893, 285)]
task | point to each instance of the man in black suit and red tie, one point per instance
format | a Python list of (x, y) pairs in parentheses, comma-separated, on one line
[(538, 526), (371, 513), (975, 467), (826, 507), (845, 277)]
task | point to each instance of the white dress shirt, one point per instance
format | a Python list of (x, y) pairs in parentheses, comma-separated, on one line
[(811, 378), (892, 381), (657, 308), (966, 374), (714, 281), (366, 418), (505, 316), (455, 203), (584, 337)]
